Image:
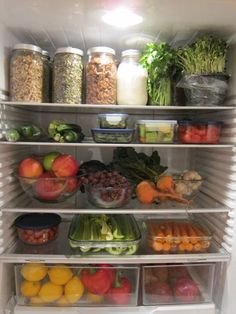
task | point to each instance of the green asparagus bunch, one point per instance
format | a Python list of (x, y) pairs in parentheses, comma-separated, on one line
[(205, 56)]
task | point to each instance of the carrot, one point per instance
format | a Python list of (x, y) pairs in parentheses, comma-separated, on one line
[(192, 234), (157, 246), (197, 247), (166, 247), (182, 247), (176, 233), (184, 234), (168, 232), (166, 184), (189, 247)]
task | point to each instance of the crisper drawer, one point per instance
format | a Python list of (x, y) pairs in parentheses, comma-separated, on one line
[(69, 286), (177, 284)]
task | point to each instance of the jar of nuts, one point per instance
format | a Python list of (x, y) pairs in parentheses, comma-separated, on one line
[(101, 76), (67, 75), (26, 73), (47, 74)]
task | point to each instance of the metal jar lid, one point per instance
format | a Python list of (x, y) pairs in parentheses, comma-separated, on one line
[(101, 50), (75, 51), (27, 47), (45, 53), (130, 52)]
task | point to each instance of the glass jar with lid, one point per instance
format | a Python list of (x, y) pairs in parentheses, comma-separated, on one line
[(101, 74), (67, 75), (47, 69), (131, 80), (26, 73)]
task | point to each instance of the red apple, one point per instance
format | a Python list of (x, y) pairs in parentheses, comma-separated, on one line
[(48, 187), (65, 166), (30, 168), (72, 184)]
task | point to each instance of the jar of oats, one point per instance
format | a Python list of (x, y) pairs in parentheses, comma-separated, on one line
[(47, 75), (67, 75), (26, 73), (101, 76)]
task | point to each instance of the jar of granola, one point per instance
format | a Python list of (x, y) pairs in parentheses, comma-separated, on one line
[(67, 75), (26, 73), (101, 76), (47, 75)]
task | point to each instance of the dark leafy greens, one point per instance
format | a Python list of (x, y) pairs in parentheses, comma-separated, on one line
[(137, 166), (159, 60)]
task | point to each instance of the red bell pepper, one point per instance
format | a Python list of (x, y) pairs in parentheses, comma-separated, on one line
[(97, 280), (110, 271), (120, 293)]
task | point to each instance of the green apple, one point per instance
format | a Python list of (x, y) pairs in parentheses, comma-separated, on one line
[(49, 159)]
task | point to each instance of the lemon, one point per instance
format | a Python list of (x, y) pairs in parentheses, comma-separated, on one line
[(50, 292), (94, 298), (34, 271), (60, 275), (62, 301), (36, 301), (74, 290), (29, 289)]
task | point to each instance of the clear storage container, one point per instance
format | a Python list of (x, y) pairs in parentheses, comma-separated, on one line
[(131, 80), (47, 76), (156, 131), (199, 132), (122, 238), (26, 73), (113, 120), (67, 76), (37, 229), (101, 75), (67, 285), (112, 135), (177, 284), (177, 236)]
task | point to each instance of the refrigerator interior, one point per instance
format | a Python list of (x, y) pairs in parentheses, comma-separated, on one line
[(55, 24)]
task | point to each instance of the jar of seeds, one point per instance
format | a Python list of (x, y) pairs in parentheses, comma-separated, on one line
[(101, 76), (26, 73), (47, 75), (67, 75)]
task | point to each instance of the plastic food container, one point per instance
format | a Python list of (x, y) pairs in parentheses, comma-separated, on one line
[(52, 285), (177, 284), (113, 120), (156, 131), (177, 236), (125, 241), (199, 132), (112, 136), (37, 228)]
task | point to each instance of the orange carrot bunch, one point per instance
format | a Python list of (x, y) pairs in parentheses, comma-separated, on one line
[(177, 237), (147, 192)]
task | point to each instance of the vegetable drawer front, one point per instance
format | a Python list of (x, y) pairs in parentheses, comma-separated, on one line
[(177, 284), (89, 285)]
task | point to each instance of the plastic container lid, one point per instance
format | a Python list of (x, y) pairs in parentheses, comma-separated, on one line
[(98, 130), (70, 50), (156, 121), (100, 49), (130, 52), (27, 47), (113, 115), (37, 221), (190, 122)]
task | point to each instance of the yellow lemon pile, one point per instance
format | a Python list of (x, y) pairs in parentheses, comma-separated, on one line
[(43, 285)]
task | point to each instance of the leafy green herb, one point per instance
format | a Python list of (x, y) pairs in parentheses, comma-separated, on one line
[(159, 60), (137, 166), (205, 56)]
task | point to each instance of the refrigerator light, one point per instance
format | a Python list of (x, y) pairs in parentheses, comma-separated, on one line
[(122, 18)]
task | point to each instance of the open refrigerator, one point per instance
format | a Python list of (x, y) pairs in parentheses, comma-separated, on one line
[(53, 24)]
